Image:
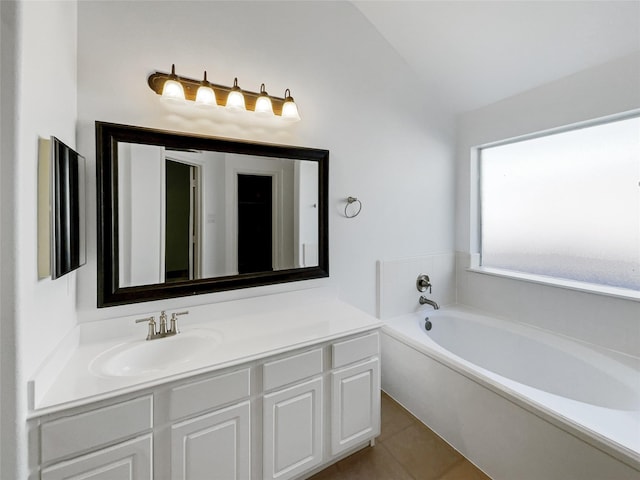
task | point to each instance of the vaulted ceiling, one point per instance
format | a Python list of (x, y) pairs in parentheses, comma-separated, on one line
[(473, 53)]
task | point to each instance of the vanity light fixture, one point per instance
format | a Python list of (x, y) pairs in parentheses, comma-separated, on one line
[(205, 96), (173, 87), (289, 108), (264, 108), (235, 99)]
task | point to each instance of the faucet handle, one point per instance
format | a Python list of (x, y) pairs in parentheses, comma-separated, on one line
[(163, 323), (423, 282), (174, 321), (152, 326)]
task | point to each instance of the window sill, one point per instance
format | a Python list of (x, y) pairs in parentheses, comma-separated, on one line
[(616, 292)]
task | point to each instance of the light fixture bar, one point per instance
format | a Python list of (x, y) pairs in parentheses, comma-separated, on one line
[(157, 80)]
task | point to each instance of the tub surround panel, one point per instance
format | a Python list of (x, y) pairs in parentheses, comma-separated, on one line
[(397, 293), (505, 435), (599, 320), (472, 419), (589, 391)]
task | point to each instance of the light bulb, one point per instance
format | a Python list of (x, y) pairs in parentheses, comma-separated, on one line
[(263, 104), (235, 99), (173, 89), (206, 96), (289, 108)]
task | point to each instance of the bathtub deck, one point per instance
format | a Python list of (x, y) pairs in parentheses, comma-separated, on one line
[(405, 450)]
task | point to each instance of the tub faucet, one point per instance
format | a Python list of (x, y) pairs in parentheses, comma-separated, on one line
[(425, 301)]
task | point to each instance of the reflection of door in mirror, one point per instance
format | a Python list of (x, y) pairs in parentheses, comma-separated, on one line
[(306, 214), (182, 223), (255, 216), (156, 186), (140, 214), (154, 249)]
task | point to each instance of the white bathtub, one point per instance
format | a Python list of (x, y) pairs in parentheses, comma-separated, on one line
[(518, 402)]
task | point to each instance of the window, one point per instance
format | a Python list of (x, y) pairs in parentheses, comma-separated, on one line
[(565, 204)]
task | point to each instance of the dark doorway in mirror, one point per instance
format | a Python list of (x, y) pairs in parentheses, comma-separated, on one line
[(180, 221), (255, 223)]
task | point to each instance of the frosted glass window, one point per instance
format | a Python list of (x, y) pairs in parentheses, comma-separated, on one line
[(565, 205)]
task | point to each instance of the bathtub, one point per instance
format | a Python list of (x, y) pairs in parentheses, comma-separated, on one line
[(518, 402)]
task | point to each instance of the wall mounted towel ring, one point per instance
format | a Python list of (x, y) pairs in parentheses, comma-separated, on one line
[(357, 208)]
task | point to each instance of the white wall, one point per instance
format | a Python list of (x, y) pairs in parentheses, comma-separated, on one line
[(8, 360), (44, 109), (38, 100), (608, 89), (390, 140)]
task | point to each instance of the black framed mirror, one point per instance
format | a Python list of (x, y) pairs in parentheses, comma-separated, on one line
[(182, 214)]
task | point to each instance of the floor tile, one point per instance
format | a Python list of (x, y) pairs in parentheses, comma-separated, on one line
[(394, 418), (464, 471), (372, 463), (422, 453), (329, 473), (405, 450)]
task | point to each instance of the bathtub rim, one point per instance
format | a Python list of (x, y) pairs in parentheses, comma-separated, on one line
[(593, 438)]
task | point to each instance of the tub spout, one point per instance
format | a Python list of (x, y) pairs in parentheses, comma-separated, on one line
[(425, 301)]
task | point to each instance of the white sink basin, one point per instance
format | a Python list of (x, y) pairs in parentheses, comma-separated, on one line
[(142, 357)]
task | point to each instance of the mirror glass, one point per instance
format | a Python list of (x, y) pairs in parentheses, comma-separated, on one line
[(182, 214)]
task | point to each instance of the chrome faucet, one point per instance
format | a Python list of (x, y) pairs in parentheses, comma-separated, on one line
[(152, 327), (162, 331), (423, 282), (163, 324), (174, 321), (425, 301)]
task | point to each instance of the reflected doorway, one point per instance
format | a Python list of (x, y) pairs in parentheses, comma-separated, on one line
[(181, 225), (255, 223)]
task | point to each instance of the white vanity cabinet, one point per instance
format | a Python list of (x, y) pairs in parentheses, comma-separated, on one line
[(292, 416), (283, 416), (214, 446), (355, 392), (130, 460), (217, 444), (98, 444)]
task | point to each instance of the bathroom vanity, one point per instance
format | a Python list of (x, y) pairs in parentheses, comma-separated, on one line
[(270, 387), (284, 392)]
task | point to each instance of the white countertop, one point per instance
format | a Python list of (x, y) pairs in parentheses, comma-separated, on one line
[(245, 330)]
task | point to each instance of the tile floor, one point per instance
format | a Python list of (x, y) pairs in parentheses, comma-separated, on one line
[(405, 450)]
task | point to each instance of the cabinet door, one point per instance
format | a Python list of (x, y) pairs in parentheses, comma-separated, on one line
[(355, 405), (126, 461), (292, 435), (213, 446)]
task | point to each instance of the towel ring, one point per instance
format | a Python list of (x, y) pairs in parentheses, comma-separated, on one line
[(351, 201)]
